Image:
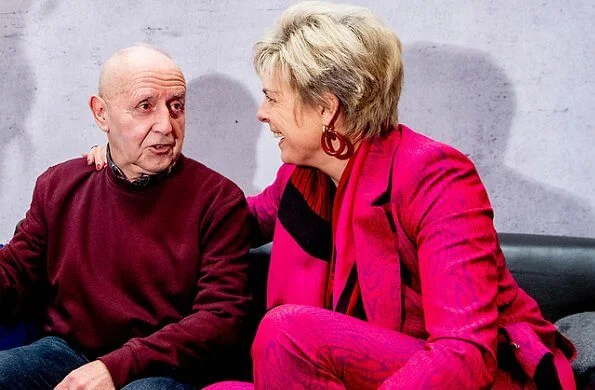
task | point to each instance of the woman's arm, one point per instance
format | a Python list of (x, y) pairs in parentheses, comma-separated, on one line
[(447, 210), (264, 206)]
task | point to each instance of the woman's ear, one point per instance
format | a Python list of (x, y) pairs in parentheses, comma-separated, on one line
[(98, 107), (330, 108)]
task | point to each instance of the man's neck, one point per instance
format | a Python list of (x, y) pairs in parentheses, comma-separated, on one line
[(140, 180)]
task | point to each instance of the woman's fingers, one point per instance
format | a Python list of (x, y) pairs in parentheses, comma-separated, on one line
[(98, 156)]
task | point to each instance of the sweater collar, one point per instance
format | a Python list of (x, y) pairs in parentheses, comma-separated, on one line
[(144, 180)]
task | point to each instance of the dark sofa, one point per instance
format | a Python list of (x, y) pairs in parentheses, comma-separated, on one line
[(559, 272)]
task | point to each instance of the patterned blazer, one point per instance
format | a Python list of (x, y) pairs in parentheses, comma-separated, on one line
[(428, 263)]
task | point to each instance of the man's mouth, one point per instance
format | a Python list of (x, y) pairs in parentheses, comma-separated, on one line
[(277, 134), (161, 148)]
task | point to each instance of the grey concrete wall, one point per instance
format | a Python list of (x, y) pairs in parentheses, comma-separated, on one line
[(507, 82)]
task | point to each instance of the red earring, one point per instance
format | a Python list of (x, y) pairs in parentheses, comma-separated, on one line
[(344, 148)]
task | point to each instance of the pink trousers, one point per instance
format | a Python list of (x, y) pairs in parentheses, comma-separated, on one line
[(302, 347)]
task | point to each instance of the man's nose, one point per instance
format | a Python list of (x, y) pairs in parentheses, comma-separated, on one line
[(163, 120)]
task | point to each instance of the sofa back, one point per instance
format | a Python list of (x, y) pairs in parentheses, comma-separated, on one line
[(558, 272)]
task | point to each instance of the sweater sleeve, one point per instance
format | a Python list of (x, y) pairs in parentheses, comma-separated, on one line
[(213, 329), (263, 207), (22, 260), (447, 209)]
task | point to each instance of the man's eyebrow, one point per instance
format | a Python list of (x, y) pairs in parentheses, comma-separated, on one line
[(139, 97), (269, 91)]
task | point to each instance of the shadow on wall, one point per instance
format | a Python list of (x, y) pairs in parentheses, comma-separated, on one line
[(222, 129), (459, 96), (17, 84)]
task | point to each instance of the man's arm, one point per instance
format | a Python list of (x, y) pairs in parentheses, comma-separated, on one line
[(22, 260), (219, 308)]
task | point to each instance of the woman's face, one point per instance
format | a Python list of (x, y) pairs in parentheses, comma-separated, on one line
[(298, 126)]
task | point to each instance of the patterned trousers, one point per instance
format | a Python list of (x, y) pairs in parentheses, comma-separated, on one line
[(302, 347)]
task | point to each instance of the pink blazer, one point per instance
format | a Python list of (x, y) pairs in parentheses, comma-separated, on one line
[(422, 210)]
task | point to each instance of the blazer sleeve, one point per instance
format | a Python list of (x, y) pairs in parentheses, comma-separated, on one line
[(264, 206), (446, 208), (201, 341)]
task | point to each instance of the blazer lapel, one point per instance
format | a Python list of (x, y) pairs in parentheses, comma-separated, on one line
[(377, 255)]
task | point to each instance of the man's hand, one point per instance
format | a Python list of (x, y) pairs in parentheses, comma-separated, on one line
[(92, 375)]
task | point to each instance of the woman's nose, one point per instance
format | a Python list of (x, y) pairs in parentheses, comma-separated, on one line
[(262, 114)]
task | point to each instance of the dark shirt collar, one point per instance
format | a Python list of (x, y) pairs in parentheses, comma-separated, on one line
[(143, 180)]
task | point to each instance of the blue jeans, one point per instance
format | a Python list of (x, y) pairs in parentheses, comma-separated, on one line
[(44, 363), (158, 383)]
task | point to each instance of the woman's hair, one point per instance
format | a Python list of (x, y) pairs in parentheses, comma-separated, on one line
[(346, 50)]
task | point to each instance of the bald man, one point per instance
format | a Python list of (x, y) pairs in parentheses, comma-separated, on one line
[(141, 266)]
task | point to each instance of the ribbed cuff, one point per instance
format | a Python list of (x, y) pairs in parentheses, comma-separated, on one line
[(121, 364)]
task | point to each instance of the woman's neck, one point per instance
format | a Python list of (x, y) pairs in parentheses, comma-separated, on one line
[(335, 171), (334, 167)]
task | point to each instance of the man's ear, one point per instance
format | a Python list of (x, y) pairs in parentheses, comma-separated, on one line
[(98, 107), (329, 108)]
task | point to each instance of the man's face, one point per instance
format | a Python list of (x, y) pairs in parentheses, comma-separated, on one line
[(146, 120)]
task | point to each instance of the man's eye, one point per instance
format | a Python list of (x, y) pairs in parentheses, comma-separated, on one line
[(269, 99), (177, 106), (144, 106)]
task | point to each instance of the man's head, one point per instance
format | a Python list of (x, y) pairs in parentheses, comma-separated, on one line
[(140, 106)]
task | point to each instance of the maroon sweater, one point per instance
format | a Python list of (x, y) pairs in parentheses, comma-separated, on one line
[(149, 280)]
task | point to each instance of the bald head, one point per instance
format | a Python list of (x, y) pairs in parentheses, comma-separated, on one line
[(116, 69)]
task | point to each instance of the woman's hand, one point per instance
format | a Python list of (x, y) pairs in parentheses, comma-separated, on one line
[(98, 156)]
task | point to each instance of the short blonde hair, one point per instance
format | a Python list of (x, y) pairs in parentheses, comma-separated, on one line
[(346, 50)]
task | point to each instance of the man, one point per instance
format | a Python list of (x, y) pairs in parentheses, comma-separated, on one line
[(143, 263)]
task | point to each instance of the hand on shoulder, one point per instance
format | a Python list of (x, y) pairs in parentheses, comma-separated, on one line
[(98, 156)]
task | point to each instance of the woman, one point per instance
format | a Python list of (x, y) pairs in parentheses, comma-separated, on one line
[(385, 267)]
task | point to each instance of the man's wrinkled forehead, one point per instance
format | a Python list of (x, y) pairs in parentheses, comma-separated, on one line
[(168, 81), (139, 64)]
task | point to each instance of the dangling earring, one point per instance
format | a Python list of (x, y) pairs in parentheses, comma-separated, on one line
[(344, 149)]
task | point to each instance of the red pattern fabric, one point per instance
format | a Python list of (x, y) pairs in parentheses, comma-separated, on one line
[(312, 185), (343, 259)]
